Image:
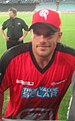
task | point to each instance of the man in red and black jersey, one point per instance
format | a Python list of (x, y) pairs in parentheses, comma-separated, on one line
[(38, 73)]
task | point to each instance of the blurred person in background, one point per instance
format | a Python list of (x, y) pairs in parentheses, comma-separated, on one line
[(57, 5), (15, 27)]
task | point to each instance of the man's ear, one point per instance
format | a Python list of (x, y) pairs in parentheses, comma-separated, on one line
[(59, 36), (31, 32)]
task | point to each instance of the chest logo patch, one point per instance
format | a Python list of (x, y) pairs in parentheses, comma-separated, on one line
[(24, 82)]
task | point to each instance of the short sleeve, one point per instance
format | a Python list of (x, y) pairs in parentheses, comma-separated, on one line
[(4, 25)]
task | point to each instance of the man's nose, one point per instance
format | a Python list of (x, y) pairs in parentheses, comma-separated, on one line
[(42, 39)]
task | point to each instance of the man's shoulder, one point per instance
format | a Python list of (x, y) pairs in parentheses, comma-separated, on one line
[(19, 19), (67, 53), (10, 54), (14, 51), (7, 20), (66, 50)]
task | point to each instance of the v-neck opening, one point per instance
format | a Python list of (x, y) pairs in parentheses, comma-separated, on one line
[(36, 64)]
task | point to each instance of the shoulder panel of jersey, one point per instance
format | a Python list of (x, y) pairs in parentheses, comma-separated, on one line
[(9, 55), (67, 53)]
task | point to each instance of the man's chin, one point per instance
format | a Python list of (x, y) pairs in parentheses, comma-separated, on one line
[(43, 55)]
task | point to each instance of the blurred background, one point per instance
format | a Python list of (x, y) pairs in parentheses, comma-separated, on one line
[(30, 5)]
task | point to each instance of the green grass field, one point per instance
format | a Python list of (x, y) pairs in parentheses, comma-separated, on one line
[(68, 38)]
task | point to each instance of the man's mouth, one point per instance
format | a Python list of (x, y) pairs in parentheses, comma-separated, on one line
[(43, 47)]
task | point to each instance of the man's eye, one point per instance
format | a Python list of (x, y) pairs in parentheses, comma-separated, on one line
[(50, 37)]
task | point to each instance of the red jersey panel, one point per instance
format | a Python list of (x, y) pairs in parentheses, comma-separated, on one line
[(35, 93)]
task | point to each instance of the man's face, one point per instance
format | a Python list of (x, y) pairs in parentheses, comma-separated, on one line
[(44, 43), (11, 14)]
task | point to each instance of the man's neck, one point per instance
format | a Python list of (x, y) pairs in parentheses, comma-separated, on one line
[(43, 61), (13, 17)]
